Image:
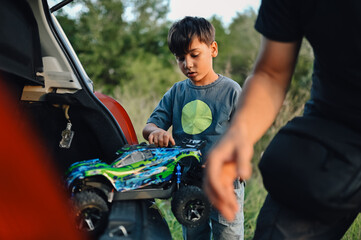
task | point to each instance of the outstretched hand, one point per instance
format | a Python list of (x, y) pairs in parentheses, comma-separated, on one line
[(229, 160)]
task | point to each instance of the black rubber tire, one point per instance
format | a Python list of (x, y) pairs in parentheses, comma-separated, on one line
[(190, 206), (91, 212)]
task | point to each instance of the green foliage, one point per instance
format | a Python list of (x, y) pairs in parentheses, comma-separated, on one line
[(238, 46), (146, 70), (107, 43), (69, 25)]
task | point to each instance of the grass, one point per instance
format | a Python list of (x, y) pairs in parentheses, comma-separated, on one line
[(139, 109), (354, 232), (254, 198), (174, 226)]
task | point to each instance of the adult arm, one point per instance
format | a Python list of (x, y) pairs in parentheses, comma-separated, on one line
[(157, 136), (263, 94)]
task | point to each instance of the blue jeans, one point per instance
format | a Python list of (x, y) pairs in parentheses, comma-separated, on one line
[(218, 225)]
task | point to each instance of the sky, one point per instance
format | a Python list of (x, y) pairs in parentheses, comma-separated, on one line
[(226, 9)]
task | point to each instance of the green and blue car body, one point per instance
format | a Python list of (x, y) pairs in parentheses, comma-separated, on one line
[(137, 166)]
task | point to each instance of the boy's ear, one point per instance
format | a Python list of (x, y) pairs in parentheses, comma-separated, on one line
[(214, 49)]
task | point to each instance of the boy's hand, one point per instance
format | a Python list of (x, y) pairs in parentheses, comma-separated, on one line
[(161, 138), (157, 136)]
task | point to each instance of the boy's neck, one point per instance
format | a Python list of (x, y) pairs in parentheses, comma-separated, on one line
[(207, 80)]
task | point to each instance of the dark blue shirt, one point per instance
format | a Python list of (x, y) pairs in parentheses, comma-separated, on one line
[(198, 112)]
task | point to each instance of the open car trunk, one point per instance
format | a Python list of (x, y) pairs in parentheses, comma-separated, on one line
[(39, 65)]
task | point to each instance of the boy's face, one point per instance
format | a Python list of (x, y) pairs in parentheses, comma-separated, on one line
[(197, 65)]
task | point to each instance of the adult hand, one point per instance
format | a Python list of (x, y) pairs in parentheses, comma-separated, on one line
[(229, 160), (161, 138)]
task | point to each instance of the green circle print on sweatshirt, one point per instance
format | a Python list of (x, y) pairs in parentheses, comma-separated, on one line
[(196, 117)]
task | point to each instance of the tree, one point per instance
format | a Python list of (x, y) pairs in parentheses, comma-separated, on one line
[(244, 41), (108, 43)]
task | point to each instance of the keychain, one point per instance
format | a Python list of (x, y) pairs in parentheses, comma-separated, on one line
[(67, 134)]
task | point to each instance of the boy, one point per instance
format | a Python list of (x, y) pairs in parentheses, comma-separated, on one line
[(199, 107)]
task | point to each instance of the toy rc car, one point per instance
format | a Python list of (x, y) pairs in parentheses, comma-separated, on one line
[(140, 172)]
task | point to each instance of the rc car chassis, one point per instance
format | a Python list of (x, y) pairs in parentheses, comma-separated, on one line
[(140, 172)]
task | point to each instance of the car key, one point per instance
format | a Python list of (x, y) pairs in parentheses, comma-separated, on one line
[(66, 136)]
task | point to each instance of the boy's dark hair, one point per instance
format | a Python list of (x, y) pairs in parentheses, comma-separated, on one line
[(182, 33)]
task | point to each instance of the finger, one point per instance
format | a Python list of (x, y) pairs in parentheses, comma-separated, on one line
[(155, 140), (244, 165), (246, 170), (213, 190), (227, 212), (161, 140), (229, 175), (151, 139), (214, 164), (172, 141), (165, 140), (221, 173), (226, 206), (230, 207)]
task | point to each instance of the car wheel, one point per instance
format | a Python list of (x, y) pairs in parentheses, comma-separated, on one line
[(91, 212), (190, 206)]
